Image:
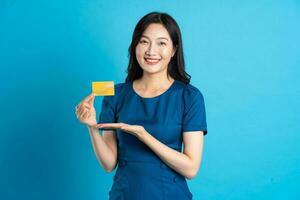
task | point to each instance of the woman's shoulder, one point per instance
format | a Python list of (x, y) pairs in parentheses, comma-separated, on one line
[(121, 87), (189, 89)]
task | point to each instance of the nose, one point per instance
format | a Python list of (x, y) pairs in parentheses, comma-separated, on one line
[(151, 50)]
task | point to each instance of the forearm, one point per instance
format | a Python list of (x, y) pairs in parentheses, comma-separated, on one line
[(104, 154), (174, 159)]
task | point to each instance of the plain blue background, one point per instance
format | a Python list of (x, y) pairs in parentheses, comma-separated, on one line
[(243, 56)]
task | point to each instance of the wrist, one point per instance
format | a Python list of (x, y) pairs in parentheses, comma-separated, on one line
[(91, 127), (141, 135)]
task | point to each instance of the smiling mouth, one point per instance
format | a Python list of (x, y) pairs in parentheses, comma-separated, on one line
[(151, 61)]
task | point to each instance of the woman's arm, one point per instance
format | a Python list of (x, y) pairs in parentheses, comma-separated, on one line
[(105, 147), (186, 163)]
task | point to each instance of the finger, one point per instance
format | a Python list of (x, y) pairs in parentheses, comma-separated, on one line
[(85, 115), (110, 125), (79, 106), (106, 125), (86, 105), (92, 100), (124, 127), (82, 115), (88, 98), (77, 109), (81, 111), (83, 105)]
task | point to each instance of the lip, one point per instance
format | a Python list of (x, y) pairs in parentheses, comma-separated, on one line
[(151, 61)]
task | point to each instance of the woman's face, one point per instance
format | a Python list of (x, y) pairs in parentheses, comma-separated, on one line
[(155, 49)]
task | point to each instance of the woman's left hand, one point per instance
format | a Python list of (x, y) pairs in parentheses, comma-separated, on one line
[(135, 130)]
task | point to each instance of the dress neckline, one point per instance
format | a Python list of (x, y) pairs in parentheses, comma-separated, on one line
[(155, 97)]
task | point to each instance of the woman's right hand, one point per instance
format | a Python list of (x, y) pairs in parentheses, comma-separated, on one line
[(85, 111)]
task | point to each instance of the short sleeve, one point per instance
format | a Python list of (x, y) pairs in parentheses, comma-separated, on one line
[(107, 114), (194, 114)]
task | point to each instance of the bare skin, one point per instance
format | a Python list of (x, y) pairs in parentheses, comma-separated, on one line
[(155, 45)]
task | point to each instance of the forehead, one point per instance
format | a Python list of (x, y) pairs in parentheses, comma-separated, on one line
[(155, 31)]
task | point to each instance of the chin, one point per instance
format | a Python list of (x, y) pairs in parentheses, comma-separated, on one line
[(150, 71), (153, 71)]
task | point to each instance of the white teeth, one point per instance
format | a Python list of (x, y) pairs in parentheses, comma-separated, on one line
[(152, 60)]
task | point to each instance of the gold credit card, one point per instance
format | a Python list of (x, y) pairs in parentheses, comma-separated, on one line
[(103, 88)]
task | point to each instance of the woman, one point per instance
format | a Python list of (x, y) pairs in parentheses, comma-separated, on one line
[(150, 116)]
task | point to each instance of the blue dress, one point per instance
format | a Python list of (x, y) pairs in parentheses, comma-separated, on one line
[(140, 173)]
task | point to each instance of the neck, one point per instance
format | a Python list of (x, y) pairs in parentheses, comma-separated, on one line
[(154, 81)]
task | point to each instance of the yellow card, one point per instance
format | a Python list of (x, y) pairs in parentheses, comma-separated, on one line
[(103, 88)]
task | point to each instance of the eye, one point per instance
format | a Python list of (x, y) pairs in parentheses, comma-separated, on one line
[(143, 42), (162, 44)]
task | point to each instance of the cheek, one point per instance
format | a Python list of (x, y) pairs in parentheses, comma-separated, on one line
[(139, 52), (166, 53)]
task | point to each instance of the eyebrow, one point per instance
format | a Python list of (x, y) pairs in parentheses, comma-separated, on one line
[(157, 38)]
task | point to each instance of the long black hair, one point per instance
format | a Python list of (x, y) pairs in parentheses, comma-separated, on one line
[(176, 66)]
